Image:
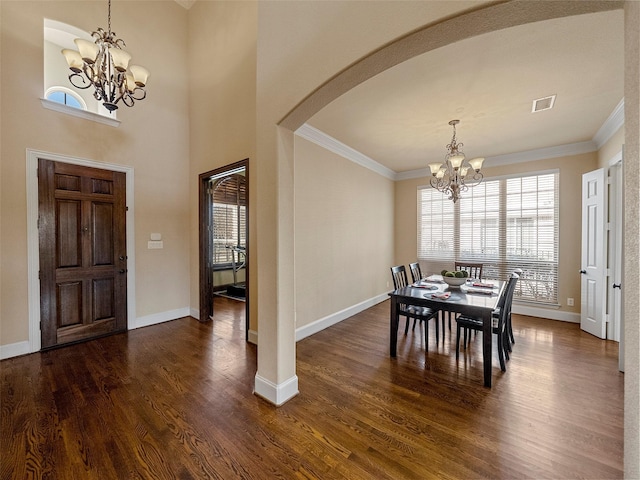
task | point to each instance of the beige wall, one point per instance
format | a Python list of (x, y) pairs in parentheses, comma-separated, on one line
[(343, 233), (153, 139), (222, 107), (571, 170)]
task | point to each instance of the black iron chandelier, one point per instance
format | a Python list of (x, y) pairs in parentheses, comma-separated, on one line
[(104, 65), (456, 174)]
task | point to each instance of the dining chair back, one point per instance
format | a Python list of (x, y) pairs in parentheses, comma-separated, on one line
[(416, 273), (399, 274), (499, 322), (417, 312), (474, 269), (509, 327)]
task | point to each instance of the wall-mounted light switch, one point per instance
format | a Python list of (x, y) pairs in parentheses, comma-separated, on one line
[(154, 244), (156, 236)]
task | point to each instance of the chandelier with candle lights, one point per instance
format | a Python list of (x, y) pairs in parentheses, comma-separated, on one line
[(456, 174), (104, 65)]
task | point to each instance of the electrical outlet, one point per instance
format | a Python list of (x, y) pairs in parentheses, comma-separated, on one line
[(570, 302)]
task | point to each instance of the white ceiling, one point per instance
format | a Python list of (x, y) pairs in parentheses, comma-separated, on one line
[(400, 117)]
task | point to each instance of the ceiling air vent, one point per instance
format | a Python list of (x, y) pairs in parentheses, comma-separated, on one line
[(545, 103)]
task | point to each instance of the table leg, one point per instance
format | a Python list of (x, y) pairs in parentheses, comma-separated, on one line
[(393, 331), (486, 347)]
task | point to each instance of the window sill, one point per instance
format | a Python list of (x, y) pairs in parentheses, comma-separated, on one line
[(94, 117)]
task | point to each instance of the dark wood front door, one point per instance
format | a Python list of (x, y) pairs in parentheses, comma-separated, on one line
[(83, 259)]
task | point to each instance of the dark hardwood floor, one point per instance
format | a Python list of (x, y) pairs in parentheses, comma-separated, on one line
[(175, 401)]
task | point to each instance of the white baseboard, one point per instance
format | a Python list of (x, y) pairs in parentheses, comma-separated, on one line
[(195, 313), (551, 314), (276, 394), (329, 320), (161, 317), (14, 350)]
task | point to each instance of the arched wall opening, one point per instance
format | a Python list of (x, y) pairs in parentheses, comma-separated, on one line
[(485, 19)]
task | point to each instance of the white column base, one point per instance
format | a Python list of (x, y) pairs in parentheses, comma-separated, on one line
[(276, 394)]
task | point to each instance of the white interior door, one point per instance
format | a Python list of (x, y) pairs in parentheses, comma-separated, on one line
[(593, 289)]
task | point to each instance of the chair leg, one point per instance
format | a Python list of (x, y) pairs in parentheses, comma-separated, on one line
[(501, 351), (457, 342), (506, 344), (510, 329), (442, 320), (414, 325), (464, 343), (426, 336), (449, 314), (406, 326)]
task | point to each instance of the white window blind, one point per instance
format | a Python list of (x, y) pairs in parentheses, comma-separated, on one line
[(436, 241), (504, 224), (229, 217)]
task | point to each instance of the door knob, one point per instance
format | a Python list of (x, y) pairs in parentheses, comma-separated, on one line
[(122, 270), (583, 272)]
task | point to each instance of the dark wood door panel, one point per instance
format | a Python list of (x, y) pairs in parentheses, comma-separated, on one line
[(103, 298), (69, 304), (78, 333), (83, 282), (67, 182), (69, 233), (102, 226)]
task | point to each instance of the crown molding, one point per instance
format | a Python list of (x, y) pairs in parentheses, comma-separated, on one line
[(320, 138), (611, 125), (542, 153), (520, 157)]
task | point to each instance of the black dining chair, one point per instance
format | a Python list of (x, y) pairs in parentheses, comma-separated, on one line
[(474, 269), (417, 312), (512, 339), (416, 273), (499, 322)]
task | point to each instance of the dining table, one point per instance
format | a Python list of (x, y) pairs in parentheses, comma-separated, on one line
[(474, 298)]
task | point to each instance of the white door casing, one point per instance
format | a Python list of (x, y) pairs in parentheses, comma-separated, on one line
[(593, 271), (33, 250), (614, 280), (616, 172)]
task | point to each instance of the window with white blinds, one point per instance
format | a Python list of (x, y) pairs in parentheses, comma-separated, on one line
[(228, 218), (504, 224)]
